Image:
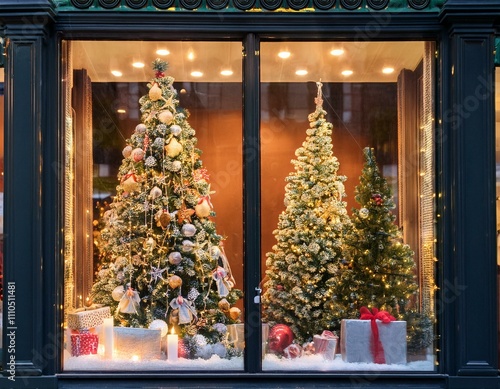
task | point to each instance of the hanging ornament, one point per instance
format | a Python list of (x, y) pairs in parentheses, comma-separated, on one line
[(220, 277), (137, 154), (193, 294), (136, 260), (140, 128), (215, 252), (129, 303), (146, 143), (155, 92), (155, 193), (364, 213), (201, 175), (175, 130), (130, 183), (127, 151), (280, 337), (188, 230), (377, 198), (163, 219), (175, 258), (158, 324), (184, 214), (187, 246), (156, 273), (234, 313), (174, 148), (175, 282), (224, 305), (118, 293), (204, 207), (149, 244), (187, 312), (165, 117), (176, 166), (159, 74)]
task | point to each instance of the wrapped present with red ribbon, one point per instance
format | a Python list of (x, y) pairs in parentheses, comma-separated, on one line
[(376, 338), (326, 344), (84, 343)]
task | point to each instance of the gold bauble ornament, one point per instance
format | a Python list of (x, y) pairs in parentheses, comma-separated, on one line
[(165, 117), (234, 313), (164, 220), (174, 148), (155, 92), (224, 305), (175, 282)]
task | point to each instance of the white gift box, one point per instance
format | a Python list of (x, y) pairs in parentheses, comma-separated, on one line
[(144, 343), (356, 338), (86, 318)]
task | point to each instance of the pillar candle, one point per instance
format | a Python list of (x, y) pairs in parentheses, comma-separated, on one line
[(172, 344), (108, 338)]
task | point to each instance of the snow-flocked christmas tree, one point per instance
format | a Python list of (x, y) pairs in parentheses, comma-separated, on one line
[(161, 256), (303, 265)]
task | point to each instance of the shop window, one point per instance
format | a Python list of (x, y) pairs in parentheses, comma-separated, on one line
[(497, 158), (154, 206), (2, 285)]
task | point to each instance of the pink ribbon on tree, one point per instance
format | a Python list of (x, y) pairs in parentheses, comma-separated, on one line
[(376, 344)]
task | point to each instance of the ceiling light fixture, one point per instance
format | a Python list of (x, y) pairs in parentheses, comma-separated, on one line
[(337, 52), (388, 70), (284, 54), (347, 72), (226, 72), (138, 65), (162, 52), (301, 72), (196, 73), (116, 73)]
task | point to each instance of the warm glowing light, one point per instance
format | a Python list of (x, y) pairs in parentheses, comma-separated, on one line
[(162, 52), (347, 72), (226, 72), (284, 54), (301, 72), (337, 52), (190, 56), (388, 70), (116, 73), (121, 110), (135, 358), (196, 73), (138, 65)]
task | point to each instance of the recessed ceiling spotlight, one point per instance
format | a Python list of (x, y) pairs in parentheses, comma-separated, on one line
[(347, 72), (227, 72), (116, 73), (138, 65), (196, 73), (301, 72), (284, 54), (162, 52), (337, 52), (190, 56), (388, 70), (121, 110)]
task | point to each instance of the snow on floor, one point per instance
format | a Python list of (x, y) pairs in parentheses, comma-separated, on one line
[(270, 363)]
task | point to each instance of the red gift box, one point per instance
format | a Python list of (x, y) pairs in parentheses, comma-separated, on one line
[(84, 344)]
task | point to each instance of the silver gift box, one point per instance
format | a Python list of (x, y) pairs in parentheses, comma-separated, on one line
[(143, 342), (355, 340)]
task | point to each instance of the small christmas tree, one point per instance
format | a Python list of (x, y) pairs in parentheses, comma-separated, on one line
[(304, 264), (161, 257), (379, 271)]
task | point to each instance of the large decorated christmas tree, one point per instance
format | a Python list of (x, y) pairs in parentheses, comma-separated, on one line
[(161, 256), (380, 269), (303, 265)]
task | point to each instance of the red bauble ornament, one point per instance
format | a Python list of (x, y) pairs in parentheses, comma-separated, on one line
[(377, 198), (159, 74), (280, 337), (279, 287)]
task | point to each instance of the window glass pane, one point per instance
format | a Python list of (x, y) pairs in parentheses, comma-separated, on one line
[(1, 204), (348, 218), (154, 230), (497, 157)]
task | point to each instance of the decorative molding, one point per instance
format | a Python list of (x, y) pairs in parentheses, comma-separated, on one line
[(261, 5)]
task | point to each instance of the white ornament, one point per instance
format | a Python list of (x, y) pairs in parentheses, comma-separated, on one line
[(363, 213), (127, 151), (175, 258), (176, 166), (140, 128), (187, 246), (175, 130), (118, 293), (137, 154), (165, 117), (159, 325), (188, 230), (149, 244), (155, 193), (215, 252)]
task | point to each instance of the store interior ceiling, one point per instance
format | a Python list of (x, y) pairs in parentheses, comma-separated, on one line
[(314, 61)]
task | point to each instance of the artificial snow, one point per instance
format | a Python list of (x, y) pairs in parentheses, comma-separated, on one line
[(270, 363)]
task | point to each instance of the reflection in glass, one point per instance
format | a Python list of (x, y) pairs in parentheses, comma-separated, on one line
[(153, 260), (349, 223)]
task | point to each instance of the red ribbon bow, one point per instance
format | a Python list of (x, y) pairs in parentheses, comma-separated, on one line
[(376, 344)]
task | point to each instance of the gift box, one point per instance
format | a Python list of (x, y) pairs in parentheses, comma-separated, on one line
[(356, 341), (326, 344), (86, 318), (144, 343), (84, 344)]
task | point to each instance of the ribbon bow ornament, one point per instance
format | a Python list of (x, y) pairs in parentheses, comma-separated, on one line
[(129, 303), (223, 284), (376, 345), (187, 312)]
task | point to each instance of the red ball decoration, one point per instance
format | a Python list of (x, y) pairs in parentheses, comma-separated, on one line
[(159, 74), (280, 337), (279, 287), (377, 198), (182, 349)]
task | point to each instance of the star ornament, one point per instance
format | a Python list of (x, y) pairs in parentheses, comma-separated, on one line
[(157, 273), (184, 214)]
